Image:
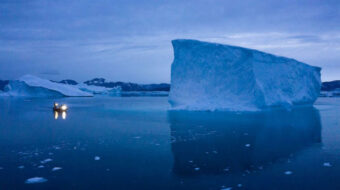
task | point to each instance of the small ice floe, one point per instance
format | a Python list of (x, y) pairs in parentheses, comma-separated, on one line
[(41, 166), (57, 147), (46, 160), (21, 167), (190, 161), (226, 188), (56, 169), (96, 158), (247, 145), (239, 185), (35, 180), (327, 164), (288, 172), (196, 169)]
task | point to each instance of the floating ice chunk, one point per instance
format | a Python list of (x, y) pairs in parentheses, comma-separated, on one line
[(97, 158), (327, 164), (35, 180), (46, 160), (41, 166), (247, 145), (288, 172), (226, 188), (210, 76), (21, 167), (196, 169), (239, 185), (56, 169)]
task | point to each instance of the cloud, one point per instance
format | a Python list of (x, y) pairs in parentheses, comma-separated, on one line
[(128, 40)]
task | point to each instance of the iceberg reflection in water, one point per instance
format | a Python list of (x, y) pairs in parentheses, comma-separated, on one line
[(219, 142)]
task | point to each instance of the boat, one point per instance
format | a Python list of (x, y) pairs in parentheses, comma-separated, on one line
[(61, 108)]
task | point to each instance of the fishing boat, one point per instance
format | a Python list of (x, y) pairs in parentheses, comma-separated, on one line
[(61, 108)]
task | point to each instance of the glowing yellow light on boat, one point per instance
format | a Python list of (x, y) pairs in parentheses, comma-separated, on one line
[(56, 115), (63, 107)]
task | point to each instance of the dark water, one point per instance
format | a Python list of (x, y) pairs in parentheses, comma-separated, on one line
[(139, 144)]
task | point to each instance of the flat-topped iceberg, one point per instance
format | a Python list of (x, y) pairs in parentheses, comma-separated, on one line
[(33, 86), (210, 76)]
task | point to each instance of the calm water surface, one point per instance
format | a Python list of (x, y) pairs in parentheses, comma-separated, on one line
[(136, 143)]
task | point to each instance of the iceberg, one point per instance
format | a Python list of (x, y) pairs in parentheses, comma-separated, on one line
[(211, 76), (33, 86), (115, 91)]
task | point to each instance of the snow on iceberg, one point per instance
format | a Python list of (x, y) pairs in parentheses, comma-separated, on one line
[(210, 76), (100, 90), (33, 86)]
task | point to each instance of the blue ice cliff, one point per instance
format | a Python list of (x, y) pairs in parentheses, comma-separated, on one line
[(211, 76)]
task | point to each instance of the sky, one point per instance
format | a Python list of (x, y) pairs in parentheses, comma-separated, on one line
[(130, 40)]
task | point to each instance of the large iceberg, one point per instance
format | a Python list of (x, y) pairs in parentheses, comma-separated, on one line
[(210, 76), (33, 86)]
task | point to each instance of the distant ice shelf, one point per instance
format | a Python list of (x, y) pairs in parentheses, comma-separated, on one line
[(33, 86), (211, 76), (99, 90)]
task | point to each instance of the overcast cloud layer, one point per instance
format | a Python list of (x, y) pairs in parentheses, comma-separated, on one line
[(131, 40)]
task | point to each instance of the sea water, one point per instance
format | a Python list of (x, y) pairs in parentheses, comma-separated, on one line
[(138, 143)]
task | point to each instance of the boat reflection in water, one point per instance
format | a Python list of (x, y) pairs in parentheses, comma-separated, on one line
[(216, 142), (62, 113)]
